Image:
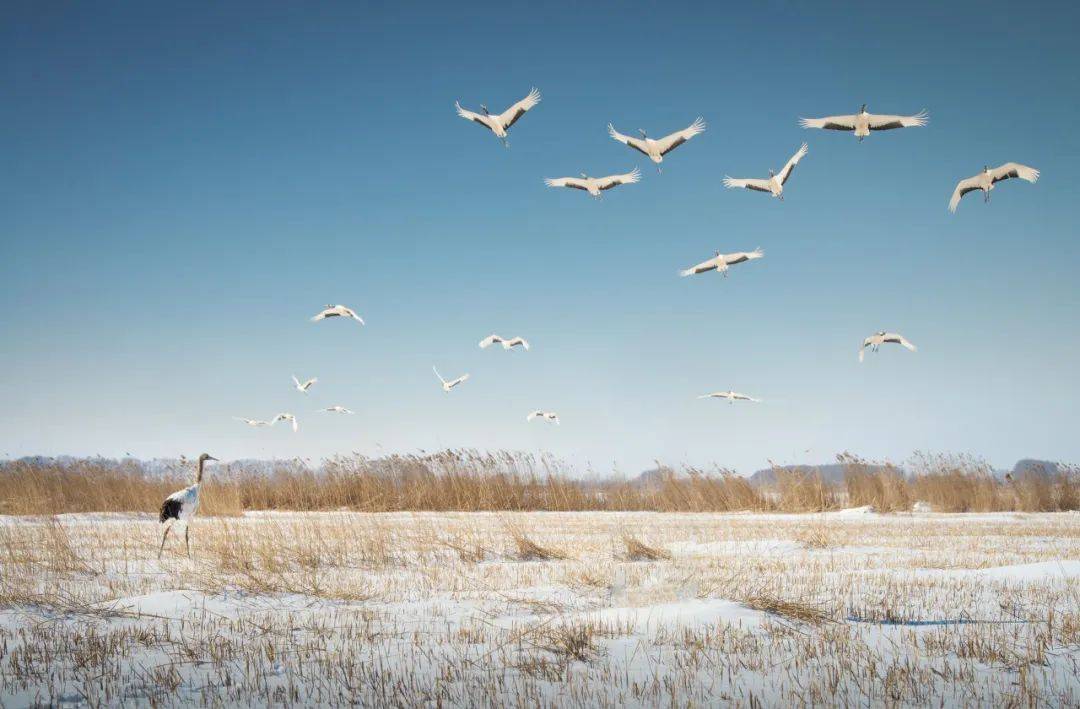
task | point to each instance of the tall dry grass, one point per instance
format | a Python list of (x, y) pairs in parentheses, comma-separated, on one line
[(469, 480)]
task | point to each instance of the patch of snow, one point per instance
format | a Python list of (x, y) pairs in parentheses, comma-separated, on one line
[(1025, 573), (689, 613), (1034, 572), (768, 546), (852, 512)]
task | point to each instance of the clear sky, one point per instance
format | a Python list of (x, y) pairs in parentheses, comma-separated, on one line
[(183, 187)]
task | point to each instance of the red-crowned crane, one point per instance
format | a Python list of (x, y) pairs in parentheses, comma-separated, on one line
[(721, 262), (731, 396), (657, 148), (337, 311), (336, 409), (862, 122), (595, 185), (285, 416), (506, 342), (881, 337), (254, 422), (499, 124), (774, 185), (303, 387), (986, 180), (448, 385), (547, 415), (181, 506)]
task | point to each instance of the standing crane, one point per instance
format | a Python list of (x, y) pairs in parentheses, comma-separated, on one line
[(181, 506)]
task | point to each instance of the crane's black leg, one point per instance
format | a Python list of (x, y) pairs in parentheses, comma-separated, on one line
[(187, 545), (163, 538)]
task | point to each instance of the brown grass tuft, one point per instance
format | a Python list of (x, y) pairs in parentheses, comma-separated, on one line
[(794, 610), (528, 550), (637, 550)]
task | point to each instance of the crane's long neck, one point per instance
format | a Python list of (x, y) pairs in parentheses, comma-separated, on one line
[(199, 472)]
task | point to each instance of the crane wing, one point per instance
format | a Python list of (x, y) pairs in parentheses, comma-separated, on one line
[(962, 188), (786, 172), (475, 117), (750, 184), (900, 340), (489, 341), (510, 116), (517, 341), (572, 182), (629, 178), (742, 256), (702, 267), (884, 122), (635, 143), (829, 123), (1014, 169), (670, 142)]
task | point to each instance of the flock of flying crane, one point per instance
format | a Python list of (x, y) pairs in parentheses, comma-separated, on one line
[(183, 504), (861, 124)]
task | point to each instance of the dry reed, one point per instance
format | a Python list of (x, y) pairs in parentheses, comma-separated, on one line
[(474, 481)]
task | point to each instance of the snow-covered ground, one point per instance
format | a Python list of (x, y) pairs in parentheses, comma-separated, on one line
[(849, 608)]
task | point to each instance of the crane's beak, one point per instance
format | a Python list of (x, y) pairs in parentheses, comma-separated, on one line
[(210, 457)]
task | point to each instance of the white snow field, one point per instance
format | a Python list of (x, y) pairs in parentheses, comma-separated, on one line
[(543, 609)]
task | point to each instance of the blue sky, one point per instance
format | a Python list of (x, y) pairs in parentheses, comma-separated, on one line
[(184, 186)]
